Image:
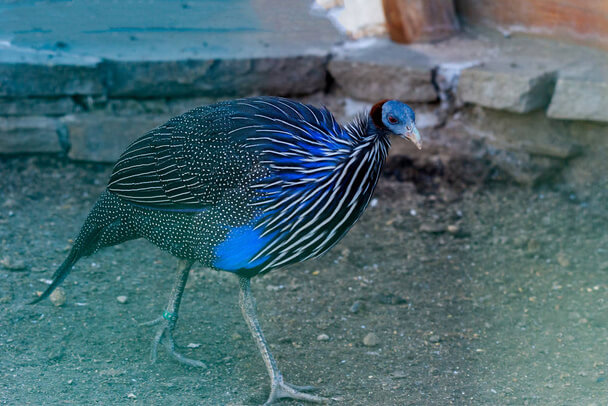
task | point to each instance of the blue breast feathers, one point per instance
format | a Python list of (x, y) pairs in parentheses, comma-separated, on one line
[(240, 246)]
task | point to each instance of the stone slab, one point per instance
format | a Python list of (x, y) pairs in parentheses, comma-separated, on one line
[(102, 137), (30, 135), (581, 93), (48, 79), (37, 106), (532, 133), (384, 70), (519, 87), (216, 77), (165, 48)]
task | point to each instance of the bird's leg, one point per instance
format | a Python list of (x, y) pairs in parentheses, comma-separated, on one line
[(279, 389), (164, 333)]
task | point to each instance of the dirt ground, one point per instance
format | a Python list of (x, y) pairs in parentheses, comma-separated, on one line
[(492, 295)]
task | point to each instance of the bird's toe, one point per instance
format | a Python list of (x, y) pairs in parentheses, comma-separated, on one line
[(288, 391)]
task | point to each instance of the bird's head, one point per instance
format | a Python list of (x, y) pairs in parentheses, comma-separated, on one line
[(397, 118)]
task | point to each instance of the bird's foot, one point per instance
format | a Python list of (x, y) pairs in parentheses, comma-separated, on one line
[(284, 390), (164, 335)]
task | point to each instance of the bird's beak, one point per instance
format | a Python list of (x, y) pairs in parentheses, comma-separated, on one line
[(413, 136)]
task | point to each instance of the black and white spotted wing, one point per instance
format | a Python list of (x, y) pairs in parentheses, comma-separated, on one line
[(186, 163)]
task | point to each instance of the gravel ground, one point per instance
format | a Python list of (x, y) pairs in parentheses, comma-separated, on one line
[(466, 296)]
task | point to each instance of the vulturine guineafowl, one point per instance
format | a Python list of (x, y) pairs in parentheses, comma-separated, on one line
[(243, 186)]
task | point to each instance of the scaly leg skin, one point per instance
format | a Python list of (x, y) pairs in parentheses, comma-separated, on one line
[(164, 333), (279, 389)]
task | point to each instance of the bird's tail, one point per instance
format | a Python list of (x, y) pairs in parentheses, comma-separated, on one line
[(86, 243), (103, 227)]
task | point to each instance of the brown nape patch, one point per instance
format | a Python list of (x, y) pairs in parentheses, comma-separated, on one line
[(376, 114)]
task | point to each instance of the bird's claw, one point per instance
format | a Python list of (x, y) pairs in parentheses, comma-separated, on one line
[(284, 390), (164, 335)]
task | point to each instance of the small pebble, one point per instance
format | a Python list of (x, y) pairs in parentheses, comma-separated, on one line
[(399, 374), (122, 299), (453, 229), (193, 345), (355, 307), (131, 396), (371, 340), (70, 381), (434, 338), (533, 246), (563, 260), (58, 297), (13, 264), (322, 337), (236, 336), (431, 228)]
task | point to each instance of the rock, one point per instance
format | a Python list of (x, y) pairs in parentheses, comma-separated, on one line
[(356, 307), (37, 106), (111, 372), (122, 299), (322, 337), (504, 85), (34, 134), (399, 374), (527, 148), (371, 340), (563, 260), (581, 92), (384, 70), (431, 228), (217, 77), (532, 133), (434, 338), (453, 229), (36, 78), (236, 49), (13, 264), (103, 137), (533, 246), (58, 297)]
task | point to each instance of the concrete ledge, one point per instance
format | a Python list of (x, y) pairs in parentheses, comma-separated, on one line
[(581, 94), (507, 86), (30, 135), (214, 77), (48, 80), (37, 106), (532, 133), (384, 70)]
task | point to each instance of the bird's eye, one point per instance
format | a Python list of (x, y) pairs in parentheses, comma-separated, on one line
[(392, 120)]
